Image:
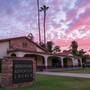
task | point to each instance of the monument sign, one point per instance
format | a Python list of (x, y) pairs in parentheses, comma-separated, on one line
[(18, 72)]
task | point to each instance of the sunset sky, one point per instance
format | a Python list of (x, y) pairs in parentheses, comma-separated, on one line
[(67, 20)]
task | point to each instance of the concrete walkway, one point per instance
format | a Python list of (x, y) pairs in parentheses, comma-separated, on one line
[(65, 74)]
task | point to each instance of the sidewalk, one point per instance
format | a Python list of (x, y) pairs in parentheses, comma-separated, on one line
[(65, 74)]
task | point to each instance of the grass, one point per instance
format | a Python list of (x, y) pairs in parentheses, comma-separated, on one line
[(58, 83), (86, 70)]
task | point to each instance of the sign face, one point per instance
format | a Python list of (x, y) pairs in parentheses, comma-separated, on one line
[(22, 71)]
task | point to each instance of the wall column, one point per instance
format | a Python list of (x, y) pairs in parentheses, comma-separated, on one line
[(81, 62), (62, 62), (46, 62), (73, 62)]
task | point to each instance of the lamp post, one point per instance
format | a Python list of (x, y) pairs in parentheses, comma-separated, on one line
[(44, 8)]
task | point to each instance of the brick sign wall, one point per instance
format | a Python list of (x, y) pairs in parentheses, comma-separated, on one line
[(18, 72)]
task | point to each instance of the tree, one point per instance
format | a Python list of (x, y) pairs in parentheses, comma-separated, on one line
[(74, 47), (56, 49), (44, 8), (81, 53), (39, 21), (49, 46)]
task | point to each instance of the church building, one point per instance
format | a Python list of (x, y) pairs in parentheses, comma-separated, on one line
[(25, 47)]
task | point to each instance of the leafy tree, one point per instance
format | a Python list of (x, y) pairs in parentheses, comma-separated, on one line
[(81, 53), (56, 49), (74, 47), (49, 46)]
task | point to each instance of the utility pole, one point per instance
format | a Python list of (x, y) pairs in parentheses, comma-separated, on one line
[(44, 8), (39, 21)]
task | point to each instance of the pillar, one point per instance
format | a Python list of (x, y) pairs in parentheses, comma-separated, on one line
[(73, 62), (62, 62), (46, 62), (81, 62)]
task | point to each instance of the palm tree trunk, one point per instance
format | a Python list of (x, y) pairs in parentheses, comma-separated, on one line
[(44, 27), (39, 21)]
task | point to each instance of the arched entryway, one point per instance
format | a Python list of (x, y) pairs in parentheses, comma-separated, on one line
[(79, 63), (54, 62), (67, 62), (13, 55), (40, 62)]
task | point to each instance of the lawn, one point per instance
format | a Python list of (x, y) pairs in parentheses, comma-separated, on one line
[(86, 70), (58, 83)]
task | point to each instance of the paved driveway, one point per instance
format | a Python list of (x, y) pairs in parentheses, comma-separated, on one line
[(65, 74)]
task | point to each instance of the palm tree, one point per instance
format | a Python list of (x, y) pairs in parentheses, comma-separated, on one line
[(44, 8), (39, 21)]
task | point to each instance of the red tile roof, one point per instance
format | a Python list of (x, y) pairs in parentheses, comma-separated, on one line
[(7, 39), (24, 50), (65, 53)]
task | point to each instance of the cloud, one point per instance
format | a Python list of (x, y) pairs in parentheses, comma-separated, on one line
[(66, 20)]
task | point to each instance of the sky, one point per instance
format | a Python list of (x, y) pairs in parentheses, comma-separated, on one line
[(66, 20)]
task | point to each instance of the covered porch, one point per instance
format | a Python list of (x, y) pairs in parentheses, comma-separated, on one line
[(46, 61)]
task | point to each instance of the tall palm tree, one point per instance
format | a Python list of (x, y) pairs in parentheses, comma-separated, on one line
[(39, 21), (44, 8)]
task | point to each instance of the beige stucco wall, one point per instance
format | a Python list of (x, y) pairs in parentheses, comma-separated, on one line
[(69, 62), (49, 62), (39, 57), (21, 54), (18, 43), (40, 61), (75, 62), (4, 46), (88, 60)]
